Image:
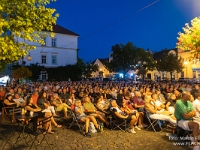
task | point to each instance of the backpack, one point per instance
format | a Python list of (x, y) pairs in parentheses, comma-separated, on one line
[(92, 128)]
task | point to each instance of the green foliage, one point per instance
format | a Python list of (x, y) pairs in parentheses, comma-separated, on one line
[(127, 56), (170, 63), (24, 20), (123, 57)]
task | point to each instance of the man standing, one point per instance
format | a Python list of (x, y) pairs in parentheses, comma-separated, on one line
[(184, 112)]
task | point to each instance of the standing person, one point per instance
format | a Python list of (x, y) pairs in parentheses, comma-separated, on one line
[(184, 113)]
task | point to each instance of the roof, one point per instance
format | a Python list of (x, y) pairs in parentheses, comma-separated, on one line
[(104, 60), (62, 30), (159, 55)]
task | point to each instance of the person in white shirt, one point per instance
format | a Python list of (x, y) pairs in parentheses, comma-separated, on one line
[(196, 105)]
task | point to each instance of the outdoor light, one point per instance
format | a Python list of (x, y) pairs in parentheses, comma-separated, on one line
[(29, 58)]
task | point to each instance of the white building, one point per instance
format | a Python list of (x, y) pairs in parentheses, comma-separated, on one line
[(58, 51), (61, 50)]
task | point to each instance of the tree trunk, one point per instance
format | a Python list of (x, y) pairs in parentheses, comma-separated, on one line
[(171, 76)]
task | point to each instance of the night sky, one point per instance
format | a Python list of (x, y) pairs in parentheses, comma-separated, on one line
[(149, 24)]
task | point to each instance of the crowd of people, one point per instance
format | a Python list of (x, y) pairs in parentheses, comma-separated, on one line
[(92, 101)]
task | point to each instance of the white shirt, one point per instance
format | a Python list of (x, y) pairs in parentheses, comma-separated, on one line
[(196, 105)]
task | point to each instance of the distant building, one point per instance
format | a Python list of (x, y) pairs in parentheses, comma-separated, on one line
[(103, 70)]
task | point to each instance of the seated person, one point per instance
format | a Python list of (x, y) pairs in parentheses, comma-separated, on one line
[(154, 113), (81, 116), (139, 115), (196, 105), (103, 104), (138, 102), (60, 106), (159, 104), (71, 101), (184, 113), (131, 118), (34, 108), (44, 104), (170, 103), (9, 102), (91, 110)]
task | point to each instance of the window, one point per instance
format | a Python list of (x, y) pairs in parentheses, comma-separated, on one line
[(43, 75), (53, 42), (45, 41), (44, 59), (54, 59)]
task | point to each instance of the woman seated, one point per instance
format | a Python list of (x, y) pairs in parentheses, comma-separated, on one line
[(170, 103), (91, 110), (154, 113), (81, 116), (34, 108), (44, 104), (139, 115), (131, 118), (103, 104), (60, 106), (9, 102)]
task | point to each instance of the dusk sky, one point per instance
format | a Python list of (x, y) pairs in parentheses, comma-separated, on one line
[(149, 24)]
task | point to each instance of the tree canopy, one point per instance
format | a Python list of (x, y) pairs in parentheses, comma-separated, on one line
[(125, 57), (170, 63), (122, 57), (23, 19), (190, 38)]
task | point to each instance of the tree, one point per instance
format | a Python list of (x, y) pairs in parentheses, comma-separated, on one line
[(146, 61), (89, 68), (26, 20), (170, 63), (123, 57), (190, 38), (22, 73)]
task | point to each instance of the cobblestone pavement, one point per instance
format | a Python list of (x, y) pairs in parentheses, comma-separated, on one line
[(71, 139)]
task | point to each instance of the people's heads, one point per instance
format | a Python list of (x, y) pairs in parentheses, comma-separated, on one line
[(29, 100), (9, 97), (55, 95), (176, 92), (172, 96), (86, 99), (154, 96), (185, 96), (137, 93), (43, 94), (78, 102), (197, 95), (197, 87)]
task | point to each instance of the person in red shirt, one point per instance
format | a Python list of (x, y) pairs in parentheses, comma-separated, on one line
[(35, 97)]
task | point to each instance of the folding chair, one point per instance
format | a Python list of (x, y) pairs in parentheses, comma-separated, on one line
[(5, 113), (43, 127), (152, 122), (75, 122), (117, 123)]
